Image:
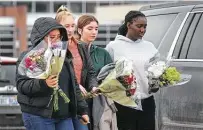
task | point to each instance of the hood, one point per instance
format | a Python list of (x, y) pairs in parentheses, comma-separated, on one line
[(42, 27), (125, 39)]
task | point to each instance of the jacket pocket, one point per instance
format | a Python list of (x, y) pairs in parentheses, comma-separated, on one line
[(40, 102), (23, 99)]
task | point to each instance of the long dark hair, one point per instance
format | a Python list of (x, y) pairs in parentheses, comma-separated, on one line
[(128, 18)]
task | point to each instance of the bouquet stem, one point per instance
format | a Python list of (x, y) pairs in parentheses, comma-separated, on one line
[(58, 91), (56, 108), (92, 94), (63, 95)]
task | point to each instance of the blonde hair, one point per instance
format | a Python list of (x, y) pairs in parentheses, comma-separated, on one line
[(61, 12)]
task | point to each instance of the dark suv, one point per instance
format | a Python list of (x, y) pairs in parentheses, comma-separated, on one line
[(10, 114), (176, 29)]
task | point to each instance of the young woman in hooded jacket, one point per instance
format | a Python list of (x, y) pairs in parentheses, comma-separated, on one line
[(34, 94)]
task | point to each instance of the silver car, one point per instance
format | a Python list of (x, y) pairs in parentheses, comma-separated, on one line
[(176, 29), (10, 114)]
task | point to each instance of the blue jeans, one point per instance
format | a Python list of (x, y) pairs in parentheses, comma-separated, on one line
[(78, 125), (33, 122)]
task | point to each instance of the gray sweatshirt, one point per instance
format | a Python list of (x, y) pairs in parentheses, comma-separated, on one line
[(140, 52)]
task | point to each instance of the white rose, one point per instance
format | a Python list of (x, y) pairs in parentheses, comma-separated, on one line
[(157, 69)]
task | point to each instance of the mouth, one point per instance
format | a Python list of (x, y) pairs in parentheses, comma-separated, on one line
[(141, 35), (93, 37)]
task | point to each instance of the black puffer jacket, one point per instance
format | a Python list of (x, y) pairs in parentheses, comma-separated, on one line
[(34, 94), (88, 75)]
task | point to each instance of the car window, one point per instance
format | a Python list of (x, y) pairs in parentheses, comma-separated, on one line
[(185, 35), (157, 26), (196, 44), (7, 75)]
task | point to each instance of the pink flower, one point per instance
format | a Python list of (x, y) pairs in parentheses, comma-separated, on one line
[(56, 45), (132, 91), (129, 79), (31, 68), (28, 62)]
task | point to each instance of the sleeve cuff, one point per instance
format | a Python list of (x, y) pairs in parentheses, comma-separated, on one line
[(43, 85), (82, 111)]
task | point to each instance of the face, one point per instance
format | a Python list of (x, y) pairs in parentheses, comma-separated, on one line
[(54, 36), (89, 32), (137, 27), (68, 23)]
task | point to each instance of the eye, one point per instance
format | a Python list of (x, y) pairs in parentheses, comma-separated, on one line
[(67, 26), (139, 25), (52, 37)]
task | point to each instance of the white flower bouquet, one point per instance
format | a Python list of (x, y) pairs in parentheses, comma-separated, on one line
[(160, 74)]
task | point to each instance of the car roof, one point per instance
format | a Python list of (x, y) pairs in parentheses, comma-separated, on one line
[(4, 59), (170, 4)]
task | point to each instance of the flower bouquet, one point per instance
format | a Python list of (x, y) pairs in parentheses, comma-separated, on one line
[(44, 60), (119, 83), (160, 74)]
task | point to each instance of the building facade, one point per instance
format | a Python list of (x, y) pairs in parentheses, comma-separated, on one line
[(110, 15)]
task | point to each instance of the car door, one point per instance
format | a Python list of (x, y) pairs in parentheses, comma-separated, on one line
[(181, 107)]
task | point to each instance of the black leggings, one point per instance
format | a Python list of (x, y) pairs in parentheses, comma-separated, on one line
[(131, 119)]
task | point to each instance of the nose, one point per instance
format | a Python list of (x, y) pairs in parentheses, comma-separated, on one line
[(142, 30), (70, 29), (94, 32)]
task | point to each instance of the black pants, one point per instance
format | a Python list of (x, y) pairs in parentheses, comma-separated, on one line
[(90, 106), (131, 119)]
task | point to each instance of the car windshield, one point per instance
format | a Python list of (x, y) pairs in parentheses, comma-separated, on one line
[(7, 74)]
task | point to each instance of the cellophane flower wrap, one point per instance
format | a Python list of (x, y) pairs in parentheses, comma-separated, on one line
[(161, 74), (44, 60), (120, 84)]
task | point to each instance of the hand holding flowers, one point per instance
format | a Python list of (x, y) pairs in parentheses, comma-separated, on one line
[(52, 81), (46, 62), (118, 83)]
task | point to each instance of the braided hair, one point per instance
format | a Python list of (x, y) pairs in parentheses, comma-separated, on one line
[(123, 29)]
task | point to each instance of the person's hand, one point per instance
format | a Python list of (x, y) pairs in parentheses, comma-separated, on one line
[(52, 81), (95, 91), (84, 119), (83, 90)]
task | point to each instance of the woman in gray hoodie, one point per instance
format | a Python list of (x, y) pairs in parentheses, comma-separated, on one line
[(140, 51)]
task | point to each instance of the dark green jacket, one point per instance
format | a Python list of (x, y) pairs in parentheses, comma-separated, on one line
[(100, 57)]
